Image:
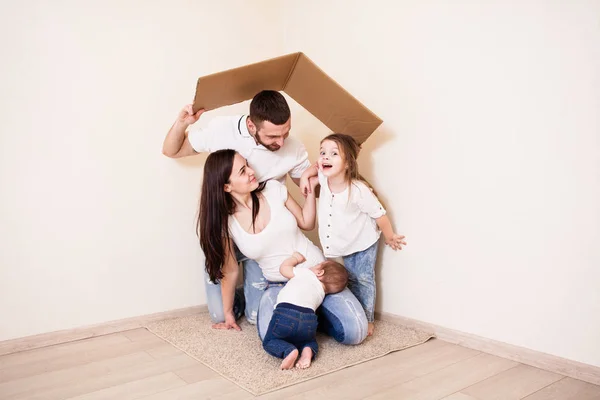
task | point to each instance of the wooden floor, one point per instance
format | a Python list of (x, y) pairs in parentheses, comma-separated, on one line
[(138, 365)]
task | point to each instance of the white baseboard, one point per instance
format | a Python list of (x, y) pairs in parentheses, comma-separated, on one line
[(548, 362), (86, 332)]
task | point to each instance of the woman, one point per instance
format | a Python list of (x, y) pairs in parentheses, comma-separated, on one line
[(264, 222)]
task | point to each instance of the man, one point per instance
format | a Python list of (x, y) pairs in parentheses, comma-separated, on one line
[(262, 137)]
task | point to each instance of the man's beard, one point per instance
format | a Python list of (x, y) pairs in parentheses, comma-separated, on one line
[(271, 147)]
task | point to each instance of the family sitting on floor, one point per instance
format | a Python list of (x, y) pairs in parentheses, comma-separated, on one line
[(246, 216)]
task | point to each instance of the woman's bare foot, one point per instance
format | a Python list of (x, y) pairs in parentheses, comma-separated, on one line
[(371, 329), (305, 358), (288, 362)]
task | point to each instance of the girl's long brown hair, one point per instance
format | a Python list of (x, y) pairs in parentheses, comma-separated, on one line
[(349, 149), (216, 205)]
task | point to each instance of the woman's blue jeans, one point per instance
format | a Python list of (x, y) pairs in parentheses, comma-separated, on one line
[(247, 298), (341, 316)]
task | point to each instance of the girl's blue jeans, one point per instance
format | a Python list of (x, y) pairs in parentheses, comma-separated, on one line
[(361, 278)]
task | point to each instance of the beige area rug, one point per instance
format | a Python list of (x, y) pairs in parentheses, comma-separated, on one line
[(240, 358)]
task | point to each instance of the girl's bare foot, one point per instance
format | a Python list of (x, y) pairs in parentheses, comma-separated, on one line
[(288, 362), (371, 329), (305, 358)]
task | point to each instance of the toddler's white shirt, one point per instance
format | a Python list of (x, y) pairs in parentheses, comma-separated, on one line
[(303, 290)]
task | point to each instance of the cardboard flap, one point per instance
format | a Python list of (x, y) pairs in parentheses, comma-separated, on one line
[(302, 80), (329, 102), (239, 84)]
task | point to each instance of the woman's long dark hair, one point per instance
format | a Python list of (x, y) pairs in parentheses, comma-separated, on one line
[(216, 205)]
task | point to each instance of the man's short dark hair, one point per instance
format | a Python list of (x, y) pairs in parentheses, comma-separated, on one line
[(269, 105)]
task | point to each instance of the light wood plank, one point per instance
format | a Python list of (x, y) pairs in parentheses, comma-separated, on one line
[(548, 362), (513, 384), (567, 389), (205, 389), (370, 377), (86, 332), (448, 380), (196, 373), (165, 350), (65, 376), (81, 356), (117, 377), (138, 334), (459, 396), (239, 394), (136, 389), (59, 350)]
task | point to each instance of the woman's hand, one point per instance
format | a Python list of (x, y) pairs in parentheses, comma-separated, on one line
[(228, 324)]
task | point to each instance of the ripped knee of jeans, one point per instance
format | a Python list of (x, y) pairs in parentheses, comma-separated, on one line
[(252, 317), (261, 285)]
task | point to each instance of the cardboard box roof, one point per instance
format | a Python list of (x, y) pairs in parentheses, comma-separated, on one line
[(296, 75)]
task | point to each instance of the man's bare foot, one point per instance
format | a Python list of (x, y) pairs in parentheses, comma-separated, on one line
[(288, 362), (305, 358), (371, 329)]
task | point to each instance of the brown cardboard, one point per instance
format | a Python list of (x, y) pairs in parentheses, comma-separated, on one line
[(296, 75)]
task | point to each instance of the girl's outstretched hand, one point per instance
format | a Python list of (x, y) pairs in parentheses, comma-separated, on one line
[(396, 241)]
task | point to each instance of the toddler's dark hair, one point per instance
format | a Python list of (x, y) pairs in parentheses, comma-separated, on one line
[(335, 277)]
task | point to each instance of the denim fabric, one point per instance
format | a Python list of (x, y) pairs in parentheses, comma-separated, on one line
[(291, 327), (246, 300), (340, 316), (361, 278)]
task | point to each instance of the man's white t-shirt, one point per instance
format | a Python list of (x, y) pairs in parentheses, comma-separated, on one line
[(278, 240), (347, 219), (232, 133), (303, 290)]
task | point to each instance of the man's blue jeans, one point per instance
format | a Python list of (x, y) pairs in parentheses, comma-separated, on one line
[(291, 328)]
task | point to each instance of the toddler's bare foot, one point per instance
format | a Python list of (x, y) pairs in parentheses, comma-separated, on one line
[(371, 329), (288, 362), (305, 358)]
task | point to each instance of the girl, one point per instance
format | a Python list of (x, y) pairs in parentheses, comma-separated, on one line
[(351, 218)]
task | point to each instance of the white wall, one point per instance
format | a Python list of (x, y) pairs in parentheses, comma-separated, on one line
[(489, 157), (95, 223)]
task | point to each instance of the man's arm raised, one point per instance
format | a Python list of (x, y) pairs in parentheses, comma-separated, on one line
[(176, 144)]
